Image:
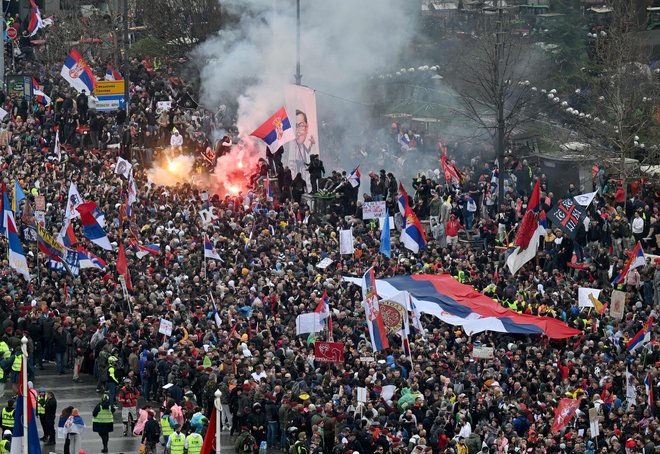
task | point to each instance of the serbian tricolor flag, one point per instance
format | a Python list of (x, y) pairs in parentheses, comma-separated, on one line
[(208, 447), (87, 259), (36, 22), (66, 237), (402, 200), (635, 260), (38, 95), (375, 322), (77, 72), (91, 228), (355, 177), (323, 308), (142, 250), (15, 253), (564, 413), (648, 384), (461, 305), (209, 250), (452, 174), (111, 74), (276, 131), (642, 337), (269, 190), (412, 234), (18, 434)]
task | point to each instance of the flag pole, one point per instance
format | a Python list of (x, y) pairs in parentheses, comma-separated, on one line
[(218, 419), (24, 378)]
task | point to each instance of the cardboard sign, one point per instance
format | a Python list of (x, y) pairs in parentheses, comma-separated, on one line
[(40, 203), (481, 352), (617, 304), (373, 210), (367, 359), (329, 352), (165, 327)]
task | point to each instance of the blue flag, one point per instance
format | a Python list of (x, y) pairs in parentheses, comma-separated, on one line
[(385, 243)]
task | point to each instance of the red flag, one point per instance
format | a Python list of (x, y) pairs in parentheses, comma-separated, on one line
[(535, 198), (122, 267), (452, 174), (564, 413), (208, 447)]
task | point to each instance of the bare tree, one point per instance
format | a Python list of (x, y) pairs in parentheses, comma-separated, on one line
[(495, 92), (179, 24), (619, 97)]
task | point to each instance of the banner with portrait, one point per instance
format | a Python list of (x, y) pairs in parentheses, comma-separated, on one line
[(300, 103)]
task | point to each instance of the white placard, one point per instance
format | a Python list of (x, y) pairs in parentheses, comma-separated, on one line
[(3, 114), (165, 327), (362, 394), (346, 242), (593, 422), (583, 296), (372, 210), (323, 264), (309, 323), (381, 222), (163, 106)]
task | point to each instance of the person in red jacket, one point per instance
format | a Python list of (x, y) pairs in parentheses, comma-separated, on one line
[(128, 397), (452, 229)]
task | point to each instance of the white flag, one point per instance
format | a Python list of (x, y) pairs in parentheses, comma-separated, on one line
[(346, 242), (631, 391), (585, 199), (72, 202), (123, 167), (58, 148), (309, 322)]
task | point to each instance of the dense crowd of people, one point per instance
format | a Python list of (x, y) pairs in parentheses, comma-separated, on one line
[(272, 390)]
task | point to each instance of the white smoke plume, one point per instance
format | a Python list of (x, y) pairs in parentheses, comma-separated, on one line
[(343, 43)]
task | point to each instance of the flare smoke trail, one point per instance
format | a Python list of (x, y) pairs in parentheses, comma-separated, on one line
[(343, 43)]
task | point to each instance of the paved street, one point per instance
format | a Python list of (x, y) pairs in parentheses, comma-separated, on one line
[(83, 396)]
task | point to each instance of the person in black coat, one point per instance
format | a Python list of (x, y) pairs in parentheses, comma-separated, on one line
[(256, 421), (48, 419)]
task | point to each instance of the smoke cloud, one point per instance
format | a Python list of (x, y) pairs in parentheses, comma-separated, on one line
[(343, 44)]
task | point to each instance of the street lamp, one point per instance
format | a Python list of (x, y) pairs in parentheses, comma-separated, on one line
[(218, 418)]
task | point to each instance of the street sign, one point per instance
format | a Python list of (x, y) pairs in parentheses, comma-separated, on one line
[(12, 33), (109, 87), (108, 96)]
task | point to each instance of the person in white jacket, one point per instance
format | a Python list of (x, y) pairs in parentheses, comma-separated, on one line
[(176, 141)]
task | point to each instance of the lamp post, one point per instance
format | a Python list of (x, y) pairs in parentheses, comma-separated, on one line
[(218, 418), (24, 391), (298, 76)]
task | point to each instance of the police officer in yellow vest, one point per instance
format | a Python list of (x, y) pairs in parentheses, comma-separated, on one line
[(167, 424), (103, 420), (5, 444), (194, 443), (4, 350), (177, 441), (41, 409), (8, 416), (113, 382), (16, 367)]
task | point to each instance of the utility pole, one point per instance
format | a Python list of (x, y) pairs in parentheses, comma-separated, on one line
[(4, 46), (499, 77), (125, 61), (298, 76)]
